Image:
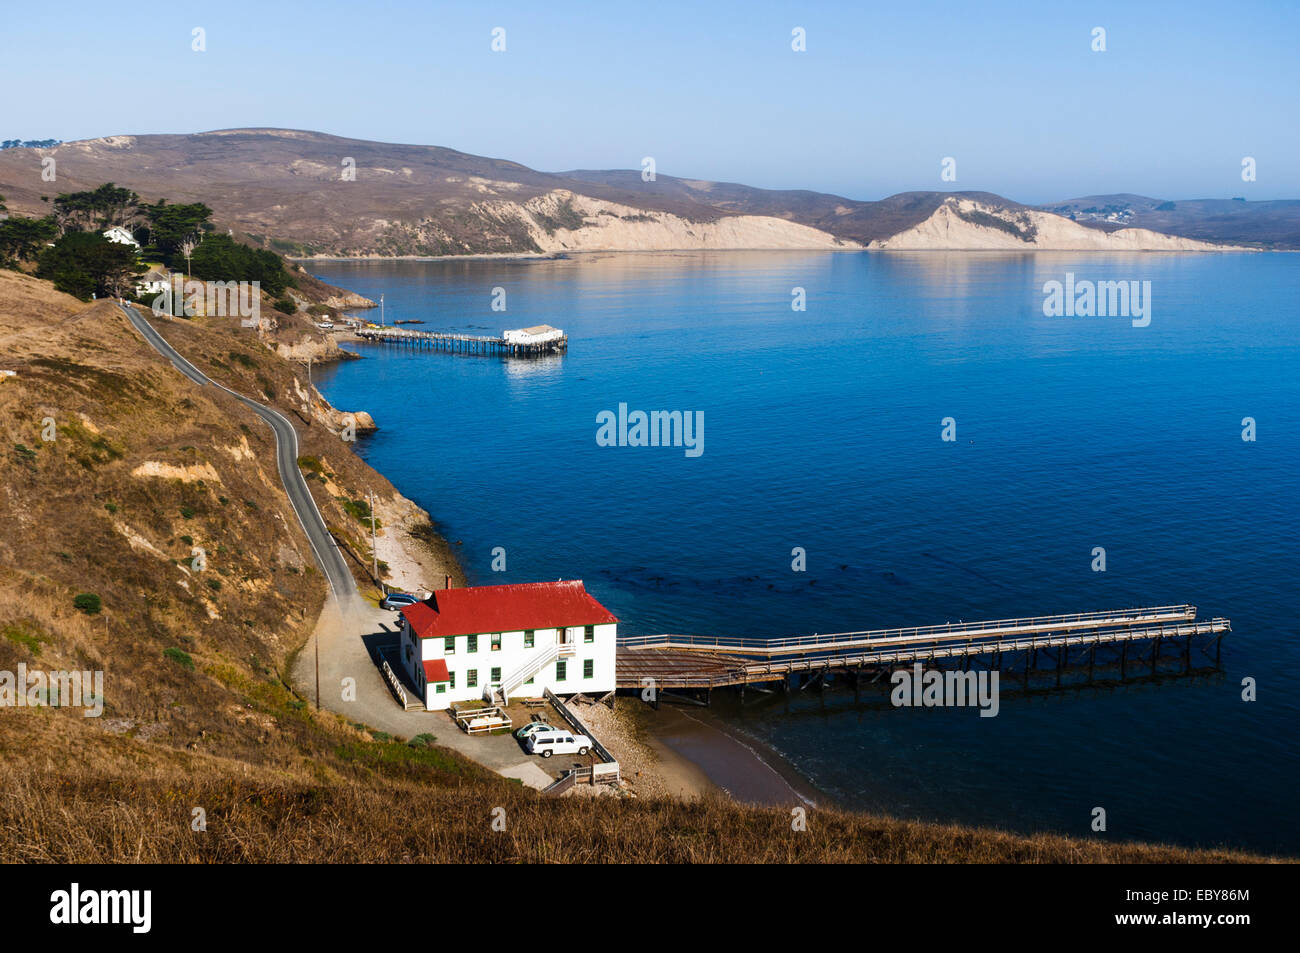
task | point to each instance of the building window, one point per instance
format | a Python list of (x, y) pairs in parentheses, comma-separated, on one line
[(588, 668), (471, 678), (561, 670), (408, 651), (529, 638), (589, 634), (449, 645), (442, 688), (529, 682), (496, 642), (471, 643), (496, 675), (451, 680)]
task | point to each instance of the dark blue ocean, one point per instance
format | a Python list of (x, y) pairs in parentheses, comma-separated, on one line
[(822, 431)]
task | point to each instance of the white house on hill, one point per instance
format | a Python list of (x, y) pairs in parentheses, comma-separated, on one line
[(120, 235), (483, 641), (156, 281)]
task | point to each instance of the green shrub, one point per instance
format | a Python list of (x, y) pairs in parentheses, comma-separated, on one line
[(88, 602), (23, 634), (180, 657), (221, 258)]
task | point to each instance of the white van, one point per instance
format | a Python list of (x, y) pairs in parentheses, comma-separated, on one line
[(556, 741)]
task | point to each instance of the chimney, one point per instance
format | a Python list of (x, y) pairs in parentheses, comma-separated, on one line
[(448, 586)]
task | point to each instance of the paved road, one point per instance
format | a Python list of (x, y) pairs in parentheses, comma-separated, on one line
[(286, 457), (349, 629)]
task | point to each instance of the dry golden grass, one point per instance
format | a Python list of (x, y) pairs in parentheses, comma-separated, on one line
[(385, 802), (29, 301)]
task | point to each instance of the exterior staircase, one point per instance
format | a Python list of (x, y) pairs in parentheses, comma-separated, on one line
[(499, 693)]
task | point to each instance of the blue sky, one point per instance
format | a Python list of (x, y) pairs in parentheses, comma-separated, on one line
[(1012, 91)]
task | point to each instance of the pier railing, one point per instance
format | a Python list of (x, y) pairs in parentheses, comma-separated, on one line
[(702, 670), (838, 641), (904, 652)]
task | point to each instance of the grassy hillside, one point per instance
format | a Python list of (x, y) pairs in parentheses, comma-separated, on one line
[(145, 467)]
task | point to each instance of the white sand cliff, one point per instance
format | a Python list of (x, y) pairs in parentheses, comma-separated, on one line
[(607, 226), (1025, 229)]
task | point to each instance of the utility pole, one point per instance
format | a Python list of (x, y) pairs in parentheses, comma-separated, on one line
[(315, 639), (381, 311), (374, 552)]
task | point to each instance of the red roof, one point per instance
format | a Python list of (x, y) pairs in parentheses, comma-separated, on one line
[(512, 608), (436, 671)]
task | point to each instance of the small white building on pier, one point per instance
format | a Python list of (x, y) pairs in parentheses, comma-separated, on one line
[(494, 642), (538, 334)]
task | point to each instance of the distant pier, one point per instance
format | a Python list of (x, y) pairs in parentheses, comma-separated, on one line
[(525, 342), (1133, 637)]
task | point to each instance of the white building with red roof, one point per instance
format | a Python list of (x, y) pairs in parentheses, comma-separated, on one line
[(485, 642)]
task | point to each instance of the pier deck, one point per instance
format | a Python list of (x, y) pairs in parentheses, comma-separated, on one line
[(684, 661), (461, 343)]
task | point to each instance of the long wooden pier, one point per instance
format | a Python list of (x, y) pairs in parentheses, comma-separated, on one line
[(461, 343), (696, 662)]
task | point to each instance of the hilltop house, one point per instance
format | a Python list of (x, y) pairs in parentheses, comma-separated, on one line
[(492, 642), (156, 281), (120, 235)]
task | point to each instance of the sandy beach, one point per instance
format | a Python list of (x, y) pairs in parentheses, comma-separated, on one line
[(743, 767), (673, 752)]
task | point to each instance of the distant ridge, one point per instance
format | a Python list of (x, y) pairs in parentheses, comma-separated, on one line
[(289, 190)]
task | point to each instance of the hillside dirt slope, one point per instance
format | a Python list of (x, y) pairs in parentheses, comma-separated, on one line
[(307, 194)]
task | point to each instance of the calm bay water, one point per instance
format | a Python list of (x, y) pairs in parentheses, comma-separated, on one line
[(822, 431)]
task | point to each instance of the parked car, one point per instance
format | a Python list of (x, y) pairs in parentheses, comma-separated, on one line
[(557, 741), (326, 326), (532, 726), (398, 600)]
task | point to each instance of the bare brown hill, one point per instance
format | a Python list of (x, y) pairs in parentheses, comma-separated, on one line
[(295, 192)]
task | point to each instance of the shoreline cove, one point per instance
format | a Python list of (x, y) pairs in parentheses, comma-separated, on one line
[(825, 435), (693, 755)]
